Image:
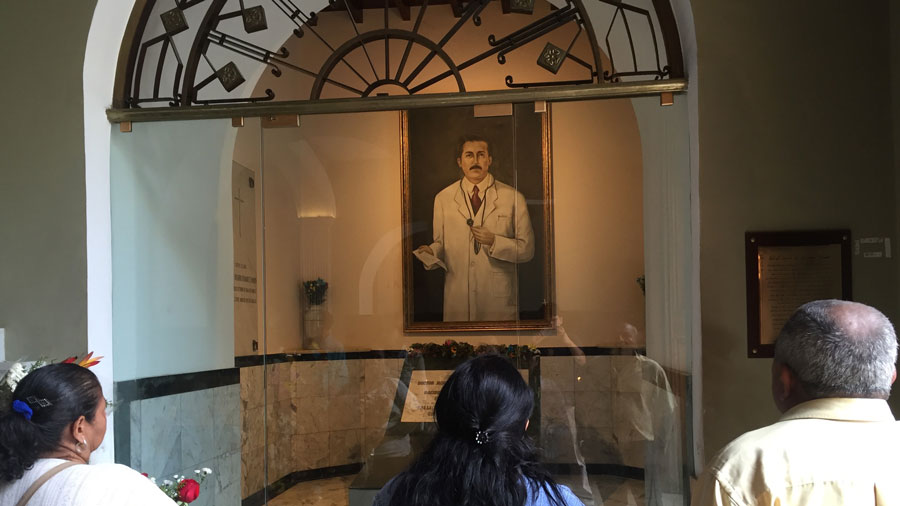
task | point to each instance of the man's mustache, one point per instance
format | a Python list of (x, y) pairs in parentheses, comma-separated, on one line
[(475, 167)]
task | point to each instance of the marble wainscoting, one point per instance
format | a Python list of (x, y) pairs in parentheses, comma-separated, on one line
[(313, 415), (599, 407), (180, 432)]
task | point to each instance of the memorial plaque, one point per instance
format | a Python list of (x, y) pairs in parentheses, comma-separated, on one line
[(786, 270), (424, 387), (790, 276)]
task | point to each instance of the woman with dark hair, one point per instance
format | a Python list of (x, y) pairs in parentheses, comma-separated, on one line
[(480, 455), (56, 419)]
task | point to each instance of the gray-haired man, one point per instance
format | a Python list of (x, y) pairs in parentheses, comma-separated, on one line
[(837, 442)]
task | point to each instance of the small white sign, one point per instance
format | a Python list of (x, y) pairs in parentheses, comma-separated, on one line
[(873, 247)]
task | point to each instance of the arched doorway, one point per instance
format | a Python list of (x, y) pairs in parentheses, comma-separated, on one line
[(658, 186)]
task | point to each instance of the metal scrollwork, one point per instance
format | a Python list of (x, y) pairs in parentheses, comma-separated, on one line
[(359, 64)]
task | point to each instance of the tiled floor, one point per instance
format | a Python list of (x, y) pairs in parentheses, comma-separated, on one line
[(604, 491), (330, 492)]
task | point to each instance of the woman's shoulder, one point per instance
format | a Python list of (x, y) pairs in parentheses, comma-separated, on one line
[(118, 482), (538, 496), (383, 497), (119, 470)]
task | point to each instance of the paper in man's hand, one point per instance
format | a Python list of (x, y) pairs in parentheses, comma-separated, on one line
[(431, 262)]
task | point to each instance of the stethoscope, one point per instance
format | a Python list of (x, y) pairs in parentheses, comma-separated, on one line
[(469, 209)]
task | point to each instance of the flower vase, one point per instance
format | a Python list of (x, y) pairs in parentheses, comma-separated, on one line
[(313, 322)]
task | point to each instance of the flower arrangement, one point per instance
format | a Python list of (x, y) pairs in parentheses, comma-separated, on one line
[(315, 291), (463, 350), (182, 491), (19, 370)]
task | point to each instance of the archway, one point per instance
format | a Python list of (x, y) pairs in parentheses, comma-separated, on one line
[(92, 169)]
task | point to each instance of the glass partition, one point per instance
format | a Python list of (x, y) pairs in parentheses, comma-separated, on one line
[(180, 403), (277, 320), (360, 326)]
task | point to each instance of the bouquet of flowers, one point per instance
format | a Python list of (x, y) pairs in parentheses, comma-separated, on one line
[(181, 490), (462, 350), (315, 291), (19, 370)]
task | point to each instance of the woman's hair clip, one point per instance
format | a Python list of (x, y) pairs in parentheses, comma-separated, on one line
[(22, 408), (44, 403), (482, 437)]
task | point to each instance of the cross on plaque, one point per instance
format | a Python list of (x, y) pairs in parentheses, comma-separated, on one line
[(240, 222)]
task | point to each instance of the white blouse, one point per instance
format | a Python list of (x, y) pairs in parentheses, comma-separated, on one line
[(85, 485)]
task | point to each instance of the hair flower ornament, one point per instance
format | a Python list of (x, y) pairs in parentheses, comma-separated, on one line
[(22, 408), (19, 370), (482, 437)]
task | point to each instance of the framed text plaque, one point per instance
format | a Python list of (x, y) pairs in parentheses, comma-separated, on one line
[(786, 270)]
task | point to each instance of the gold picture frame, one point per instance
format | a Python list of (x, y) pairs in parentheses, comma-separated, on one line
[(512, 280)]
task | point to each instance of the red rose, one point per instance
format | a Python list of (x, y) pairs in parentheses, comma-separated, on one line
[(188, 490), (145, 475)]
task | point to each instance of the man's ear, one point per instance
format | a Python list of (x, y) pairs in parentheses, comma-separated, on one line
[(784, 386), (894, 376)]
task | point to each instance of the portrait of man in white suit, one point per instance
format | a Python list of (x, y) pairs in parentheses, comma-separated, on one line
[(481, 230), (477, 226)]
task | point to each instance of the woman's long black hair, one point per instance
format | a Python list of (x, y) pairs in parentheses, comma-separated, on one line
[(481, 455), (72, 391)]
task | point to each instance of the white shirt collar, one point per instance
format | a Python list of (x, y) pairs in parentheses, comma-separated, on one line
[(482, 186), (842, 408)]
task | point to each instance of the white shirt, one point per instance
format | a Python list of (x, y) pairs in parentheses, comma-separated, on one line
[(821, 452), (85, 485), (469, 188)]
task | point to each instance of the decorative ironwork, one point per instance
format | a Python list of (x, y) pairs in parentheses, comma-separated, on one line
[(226, 40), (552, 57), (173, 21), (521, 6), (254, 19)]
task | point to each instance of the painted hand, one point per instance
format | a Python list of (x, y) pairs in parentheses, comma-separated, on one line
[(483, 235)]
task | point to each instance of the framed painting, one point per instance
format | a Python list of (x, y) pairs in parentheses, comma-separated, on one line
[(477, 219)]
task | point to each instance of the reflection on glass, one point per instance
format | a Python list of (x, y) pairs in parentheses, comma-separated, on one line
[(338, 397)]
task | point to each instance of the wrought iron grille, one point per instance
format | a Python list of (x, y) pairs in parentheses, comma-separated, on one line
[(365, 48)]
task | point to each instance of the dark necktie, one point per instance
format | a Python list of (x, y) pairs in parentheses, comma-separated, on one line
[(476, 201), (476, 204)]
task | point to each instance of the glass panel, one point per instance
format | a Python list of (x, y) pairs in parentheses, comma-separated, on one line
[(177, 394), (356, 338)]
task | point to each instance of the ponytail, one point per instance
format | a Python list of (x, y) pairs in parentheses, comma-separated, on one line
[(56, 396)]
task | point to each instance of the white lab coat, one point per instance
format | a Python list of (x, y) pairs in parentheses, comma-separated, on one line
[(482, 286)]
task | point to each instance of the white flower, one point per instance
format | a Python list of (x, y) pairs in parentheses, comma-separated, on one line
[(15, 375), (207, 471), (196, 471), (153, 480), (167, 482)]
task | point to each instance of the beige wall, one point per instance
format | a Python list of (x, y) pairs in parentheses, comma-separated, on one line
[(794, 134), (43, 273), (895, 101)]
